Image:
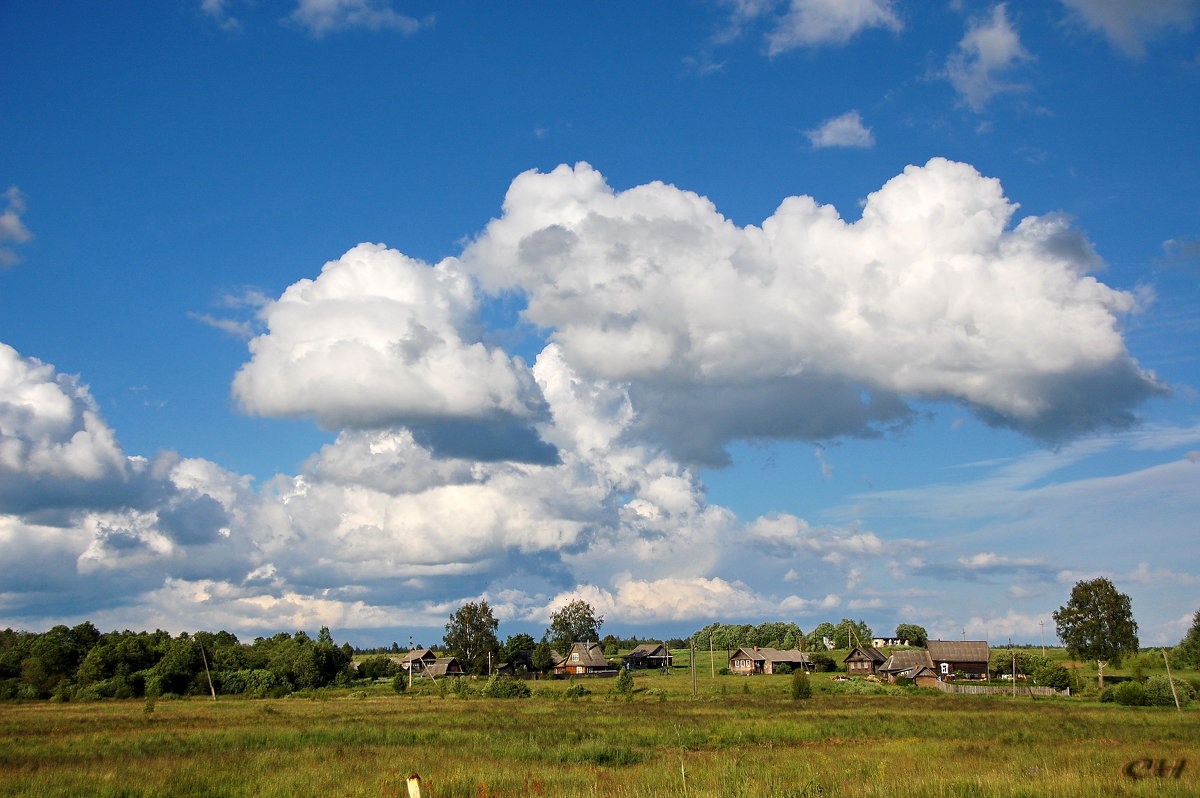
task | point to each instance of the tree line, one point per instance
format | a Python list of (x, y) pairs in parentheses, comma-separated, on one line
[(81, 663)]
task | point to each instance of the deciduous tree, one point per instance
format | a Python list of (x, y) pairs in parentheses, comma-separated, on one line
[(471, 635), (1187, 653), (576, 621), (1097, 623), (915, 635)]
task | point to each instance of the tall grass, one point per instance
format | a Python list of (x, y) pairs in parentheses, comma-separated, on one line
[(662, 742)]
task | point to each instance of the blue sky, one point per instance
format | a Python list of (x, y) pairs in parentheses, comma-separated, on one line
[(344, 312)]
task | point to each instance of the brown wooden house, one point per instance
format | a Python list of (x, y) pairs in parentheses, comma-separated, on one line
[(864, 661), (967, 658), (443, 666), (647, 655), (417, 660), (749, 660), (584, 659), (906, 664)]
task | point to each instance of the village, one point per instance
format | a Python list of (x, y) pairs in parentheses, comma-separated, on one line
[(950, 666)]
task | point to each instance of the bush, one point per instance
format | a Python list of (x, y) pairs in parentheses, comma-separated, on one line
[(1130, 694), (506, 687), (1106, 695), (400, 682), (1158, 692), (1052, 674), (823, 663), (723, 671), (460, 688), (801, 686), (624, 684), (784, 669), (904, 681), (576, 690)]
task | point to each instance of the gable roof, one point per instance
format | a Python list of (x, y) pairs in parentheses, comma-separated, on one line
[(763, 654), (423, 654), (590, 655), (901, 661), (656, 650), (869, 653), (958, 651)]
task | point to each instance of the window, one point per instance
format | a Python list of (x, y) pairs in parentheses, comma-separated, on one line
[(574, 656), (945, 668)]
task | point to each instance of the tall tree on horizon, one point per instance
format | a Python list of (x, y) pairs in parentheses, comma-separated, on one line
[(1097, 623)]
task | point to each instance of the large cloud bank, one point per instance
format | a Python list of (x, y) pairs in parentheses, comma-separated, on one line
[(460, 470)]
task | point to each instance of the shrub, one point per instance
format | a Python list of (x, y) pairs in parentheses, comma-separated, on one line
[(801, 686), (1158, 692), (784, 669), (823, 663), (1052, 674), (624, 684), (723, 671), (460, 688), (400, 682), (506, 687), (1130, 694), (1106, 695), (576, 690), (359, 694), (904, 681)]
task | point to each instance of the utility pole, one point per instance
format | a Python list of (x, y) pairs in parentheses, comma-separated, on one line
[(695, 687), (712, 663), (1043, 625), (410, 667), (1171, 681)]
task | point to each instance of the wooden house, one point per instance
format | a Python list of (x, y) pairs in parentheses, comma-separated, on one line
[(864, 661), (443, 666), (417, 660), (967, 658), (750, 660), (904, 663), (584, 659), (647, 655)]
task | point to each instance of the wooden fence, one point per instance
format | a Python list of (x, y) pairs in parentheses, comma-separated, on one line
[(984, 689)]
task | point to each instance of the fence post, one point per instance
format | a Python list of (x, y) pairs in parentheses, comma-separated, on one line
[(414, 786)]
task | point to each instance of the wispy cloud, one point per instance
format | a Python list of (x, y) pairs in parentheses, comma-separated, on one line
[(12, 229), (1131, 24), (321, 17), (990, 48)]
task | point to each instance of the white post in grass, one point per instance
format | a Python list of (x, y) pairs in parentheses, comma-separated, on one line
[(414, 786)]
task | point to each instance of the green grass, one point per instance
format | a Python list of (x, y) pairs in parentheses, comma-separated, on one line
[(741, 737)]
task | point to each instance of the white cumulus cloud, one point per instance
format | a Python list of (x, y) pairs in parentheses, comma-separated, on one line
[(380, 339), (326, 16), (846, 130)]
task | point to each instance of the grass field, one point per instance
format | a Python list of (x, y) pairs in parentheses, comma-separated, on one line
[(740, 737)]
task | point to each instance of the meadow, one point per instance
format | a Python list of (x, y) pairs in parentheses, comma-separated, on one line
[(741, 736)]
